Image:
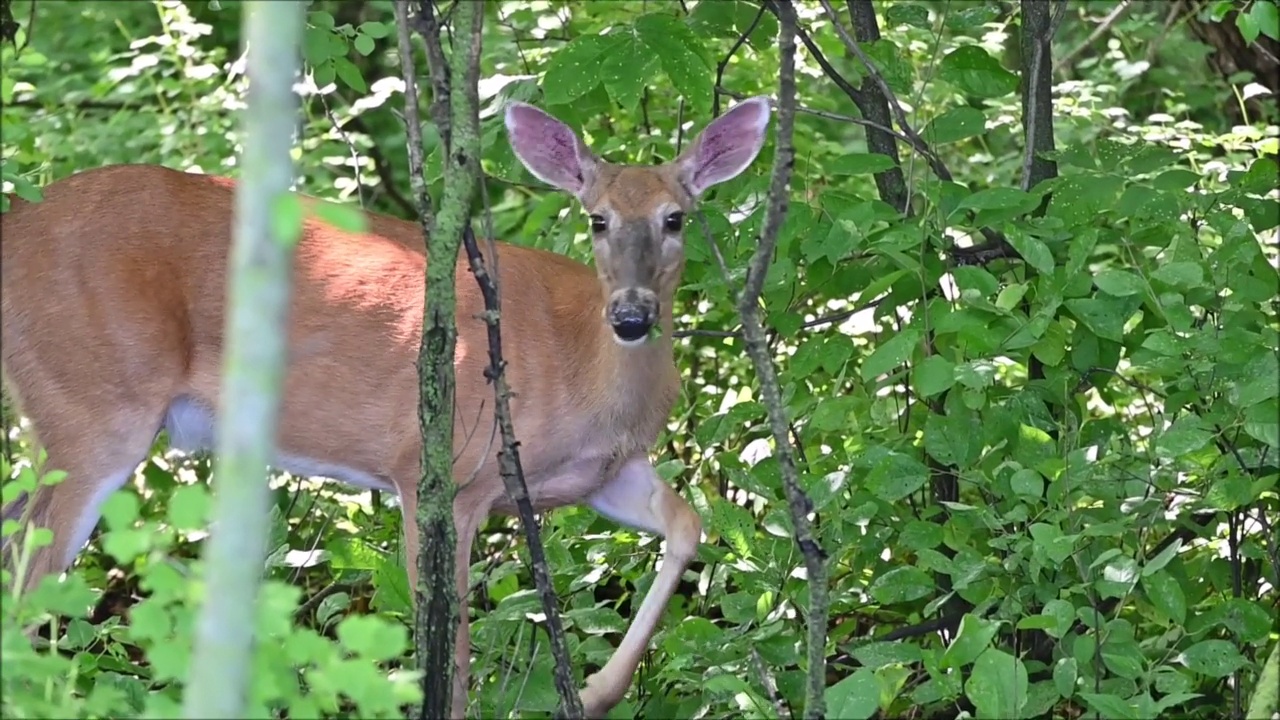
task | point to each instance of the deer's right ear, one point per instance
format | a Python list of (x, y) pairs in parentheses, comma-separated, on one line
[(548, 148)]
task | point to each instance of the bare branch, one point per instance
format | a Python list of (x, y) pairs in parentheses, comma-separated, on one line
[(757, 347)]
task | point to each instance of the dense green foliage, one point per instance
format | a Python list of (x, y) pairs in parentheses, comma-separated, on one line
[(1105, 400)]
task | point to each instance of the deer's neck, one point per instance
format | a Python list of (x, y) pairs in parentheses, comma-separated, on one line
[(629, 389)]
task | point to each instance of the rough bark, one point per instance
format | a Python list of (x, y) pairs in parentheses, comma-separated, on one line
[(253, 370), (875, 107)]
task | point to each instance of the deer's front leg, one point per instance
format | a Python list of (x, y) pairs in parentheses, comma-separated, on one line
[(635, 496)]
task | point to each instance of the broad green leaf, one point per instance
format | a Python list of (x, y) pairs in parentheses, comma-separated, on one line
[(996, 198), (286, 219), (892, 353), (1175, 179), (953, 439), (955, 125), (627, 69), (1247, 620), (933, 375), (1119, 283), (861, 164), (1248, 26), (573, 70), (972, 639), (975, 72), (1258, 380), (682, 56), (1266, 16), (1180, 274), (856, 697), (1262, 422), (1105, 316), (1062, 614), (1065, 672), (343, 217), (1111, 706), (901, 584), (1033, 250), (904, 14), (997, 685), (1027, 483), (1156, 563), (1165, 593), (1215, 658), (893, 475), (1187, 434)]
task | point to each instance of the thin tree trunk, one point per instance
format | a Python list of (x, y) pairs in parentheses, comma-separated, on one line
[(253, 370)]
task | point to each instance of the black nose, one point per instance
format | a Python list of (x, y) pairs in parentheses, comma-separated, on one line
[(630, 323)]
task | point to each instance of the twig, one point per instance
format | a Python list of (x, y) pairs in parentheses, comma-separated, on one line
[(1098, 32), (825, 115), (757, 347), (513, 479), (770, 685), (724, 63)]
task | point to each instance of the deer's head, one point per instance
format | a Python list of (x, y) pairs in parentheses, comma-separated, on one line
[(637, 212)]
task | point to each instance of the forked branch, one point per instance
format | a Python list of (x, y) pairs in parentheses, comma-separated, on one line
[(757, 348)]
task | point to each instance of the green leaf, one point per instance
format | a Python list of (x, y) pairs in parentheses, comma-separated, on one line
[(1105, 316), (1110, 706), (1266, 16), (891, 354), (363, 44), (1065, 672), (627, 69), (1033, 250), (1027, 483), (682, 56), (1158, 562), (933, 375), (950, 439), (861, 164), (996, 199), (904, 14), (901, 584), (1248, 26), (573, 71), (1262, 422), (1120, 283), (955, 124), (346, 218), (1181, 274), (856, 697), (189, 507), (1186, 435), (975, 72), (998, 685), (1061, 614), (1175, 179), (1214, 658), (1165, 593), (972, 639), (893, 475), (375, 29), (286, 219)]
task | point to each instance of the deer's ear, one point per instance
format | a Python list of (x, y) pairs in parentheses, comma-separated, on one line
[(548, 148), (727, 146)]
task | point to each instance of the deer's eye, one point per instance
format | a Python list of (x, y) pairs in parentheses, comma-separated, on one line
[(674, 222), (598, 225)]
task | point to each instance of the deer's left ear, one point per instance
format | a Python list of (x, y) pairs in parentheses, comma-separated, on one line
[(727, 146)]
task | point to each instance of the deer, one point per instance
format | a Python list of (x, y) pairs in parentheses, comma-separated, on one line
[(112, 301)]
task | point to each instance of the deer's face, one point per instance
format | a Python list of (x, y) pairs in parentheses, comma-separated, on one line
[(637, 213)]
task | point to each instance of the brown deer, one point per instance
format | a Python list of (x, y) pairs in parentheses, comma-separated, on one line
[(112, 308)]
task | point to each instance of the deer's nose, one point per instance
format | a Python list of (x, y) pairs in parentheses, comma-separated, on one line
[(631, 315)]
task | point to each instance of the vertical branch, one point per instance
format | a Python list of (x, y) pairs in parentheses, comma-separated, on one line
[(757, 348), (875, 107), (513, 478), (436, 594), (253, 368)]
